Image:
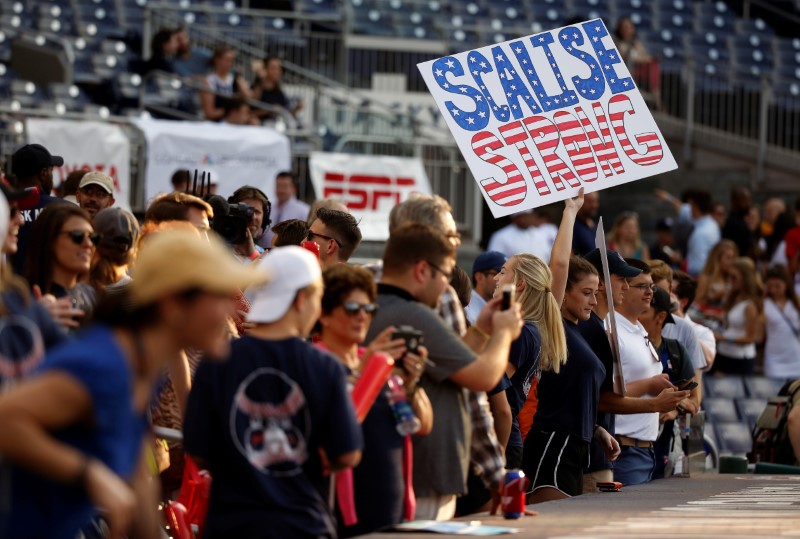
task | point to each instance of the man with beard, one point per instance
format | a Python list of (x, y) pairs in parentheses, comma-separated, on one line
[(95, 192), (32, 166), (256, 199)]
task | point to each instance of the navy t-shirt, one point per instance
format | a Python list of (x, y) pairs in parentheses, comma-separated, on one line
[(568, 400), (30, 215), (259, 420), (524, 355), (41, 508), (594, 332)]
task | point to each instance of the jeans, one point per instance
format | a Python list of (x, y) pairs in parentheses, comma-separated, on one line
[(634, 466)]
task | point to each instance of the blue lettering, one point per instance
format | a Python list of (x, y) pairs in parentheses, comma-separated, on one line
[(566, 97), (469, 120), (596, 31), (512, 84), (594, 85), (479, 65)]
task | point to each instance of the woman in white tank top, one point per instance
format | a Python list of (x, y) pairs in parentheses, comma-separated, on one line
[(736, 346), (782, 317)]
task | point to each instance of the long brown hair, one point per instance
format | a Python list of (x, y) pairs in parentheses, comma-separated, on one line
[(781, 273), (751, 287)]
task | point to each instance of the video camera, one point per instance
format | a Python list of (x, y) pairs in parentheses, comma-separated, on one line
[(230, 220)]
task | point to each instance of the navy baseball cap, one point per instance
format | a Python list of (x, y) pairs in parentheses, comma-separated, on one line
[(490, 260), (31, 159), (616, 264), (661, 302)]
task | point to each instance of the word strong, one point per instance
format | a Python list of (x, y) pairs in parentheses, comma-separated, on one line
[(539, 117)]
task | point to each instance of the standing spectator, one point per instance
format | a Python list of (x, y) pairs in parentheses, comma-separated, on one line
[(737, 229), (705, 234), (417, 264), (74, 437), (189, 61), (626, 237), (776, 223), (782, 325), (291, 232), (484, 269), (743, 324), (32, 167), (267, 87), (288, 206), (720, 214), (713, 284), (684, 289), (68, 190), (792, 240), (223, 82), (529, 232), (330, 203), (180, 180), (262, 210), (462, 284), (337, 234), (644, 67), (236, 112), (585, 225), (177, 206), (62, 246), (119, 235), (260, 420), (664, 247), (95, 192)]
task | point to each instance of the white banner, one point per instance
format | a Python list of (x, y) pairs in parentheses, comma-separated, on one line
[(87, 145), (234, 155), (370, 185), (534, 117)]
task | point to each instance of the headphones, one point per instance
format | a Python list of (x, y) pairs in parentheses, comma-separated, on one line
[(266, 221)]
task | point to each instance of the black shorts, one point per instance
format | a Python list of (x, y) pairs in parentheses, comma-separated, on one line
[(556, 460)]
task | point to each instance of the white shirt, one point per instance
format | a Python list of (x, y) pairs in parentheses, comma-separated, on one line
[(536, 240), (735, 328), (704, 335), (704, 237), (782, 347), (683, 332), (639, 361), (474, 307)]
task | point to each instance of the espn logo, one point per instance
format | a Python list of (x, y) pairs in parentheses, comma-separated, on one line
[(362, 192)]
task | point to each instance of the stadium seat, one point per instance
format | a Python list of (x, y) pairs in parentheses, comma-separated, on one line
[(762, 388), (734, 438), (730, 387), (749, 410), (720, 410)]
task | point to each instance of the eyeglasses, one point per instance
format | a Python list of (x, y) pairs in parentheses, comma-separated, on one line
[(447, 274), (323, 236), (643, 288), (95, 192), (79, 236), (352, 308), (490, 273)]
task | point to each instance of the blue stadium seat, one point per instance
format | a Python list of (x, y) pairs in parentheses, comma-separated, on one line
[(733, 438), (675, 21), (731, 387), (762, 388), (26, 93), (549, 16), (751, 27), (720, 410), (749, 410)]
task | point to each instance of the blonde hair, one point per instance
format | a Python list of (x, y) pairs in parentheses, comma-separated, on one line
[(619, 221), (419, 208), (712, 269), (660, 271), (540, 307)]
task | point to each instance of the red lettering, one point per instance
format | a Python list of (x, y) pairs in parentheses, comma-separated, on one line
[(513, 190), (364, 192), (618, 106), (515, 134), (545, 135), (577, 144)]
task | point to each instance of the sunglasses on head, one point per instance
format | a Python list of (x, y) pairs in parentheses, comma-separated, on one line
[(79, 236), (352, 308)]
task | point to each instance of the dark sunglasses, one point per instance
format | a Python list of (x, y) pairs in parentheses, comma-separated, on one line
[(352, 308), (79, 236), (323, 236)]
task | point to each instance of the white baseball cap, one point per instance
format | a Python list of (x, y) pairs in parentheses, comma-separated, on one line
[(290, 269)]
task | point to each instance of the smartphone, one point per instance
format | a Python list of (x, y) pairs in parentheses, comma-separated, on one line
[(610, 486), (685, 385), (414, 338), (508, 297)]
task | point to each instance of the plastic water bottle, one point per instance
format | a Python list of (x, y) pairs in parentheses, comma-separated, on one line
[(407, 422)]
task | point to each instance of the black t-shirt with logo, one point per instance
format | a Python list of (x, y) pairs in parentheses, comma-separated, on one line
[(29, 216)]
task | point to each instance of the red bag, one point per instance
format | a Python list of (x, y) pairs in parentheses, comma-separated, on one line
[(177, 521), (194, 493)]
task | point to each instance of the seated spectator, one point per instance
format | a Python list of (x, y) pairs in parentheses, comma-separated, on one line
[(95, 192), (713, 283), (74, 438), (484, 269), (267, 87), (642, 65), (291, 232), (262, 210), (62, 245), (626, 237), (337, 234), (119, 234), (348, 306), (68, 190), (782, 325), (163, 47), (529, 232), (189, 61), (236, 112), (260, 420), (743, 323), (223, 82), (288, 206)]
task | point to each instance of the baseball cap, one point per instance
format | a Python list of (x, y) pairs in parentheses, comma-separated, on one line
[(31, 159), (616, 264), (661, 302), (665, 224), (98, 178), (290, 269), (490, 260), (176, 260), (119, 229)]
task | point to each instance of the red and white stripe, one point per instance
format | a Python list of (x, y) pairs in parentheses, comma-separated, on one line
[(545, 135), (577, 144), (515, 134), (602, 143), (618, 106), (514, 189)]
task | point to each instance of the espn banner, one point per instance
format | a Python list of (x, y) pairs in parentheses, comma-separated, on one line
[(369, 185), (235, 155), (87, 145), (536, 118)]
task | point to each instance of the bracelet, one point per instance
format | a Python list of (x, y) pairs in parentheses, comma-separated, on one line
[(480, 332)]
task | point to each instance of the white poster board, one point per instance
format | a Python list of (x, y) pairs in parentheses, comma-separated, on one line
[(235, 155), (537, 118), (611, 320), (88, 145), (369, 185)]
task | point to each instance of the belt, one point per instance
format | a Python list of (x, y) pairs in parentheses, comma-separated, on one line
[(632, 442)]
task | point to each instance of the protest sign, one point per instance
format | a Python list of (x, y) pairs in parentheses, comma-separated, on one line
[(87, 145), (534, 117), (611, 320), (369, 185)]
